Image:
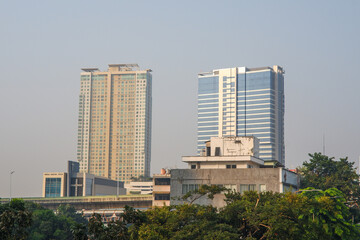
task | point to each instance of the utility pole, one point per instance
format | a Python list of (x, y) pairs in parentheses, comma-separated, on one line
[(11, 173)]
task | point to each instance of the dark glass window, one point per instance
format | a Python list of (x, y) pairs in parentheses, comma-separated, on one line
[(162, 196), (162, 181), (230, 166), (193, 166), (217, 151), (79, 191), (208, 151)]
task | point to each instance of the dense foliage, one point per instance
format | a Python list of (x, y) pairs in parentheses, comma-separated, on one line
[(26, 220), (313, 214), (325, 209), (14, 220), (48, 225), (323, 172)]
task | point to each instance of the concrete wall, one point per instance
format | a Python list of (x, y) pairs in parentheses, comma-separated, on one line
[(270, 177), (235, 146), (100, 190)]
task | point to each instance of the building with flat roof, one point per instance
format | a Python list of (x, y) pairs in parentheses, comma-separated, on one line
[(75, 184), (114, 127), (243, 101), (231, 162)]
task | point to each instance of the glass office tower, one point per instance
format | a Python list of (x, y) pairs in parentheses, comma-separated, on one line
[(243, 102), (114, 129)]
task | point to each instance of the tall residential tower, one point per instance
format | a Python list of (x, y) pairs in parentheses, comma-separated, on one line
[(243, 101), (114, 129)]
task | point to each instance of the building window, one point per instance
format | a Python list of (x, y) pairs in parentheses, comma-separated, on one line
[(193, 166), (262, 188), (53, 187), (217, 151), (208, 151), (230, 166), (189, 187), (162, 181), (162, 196), (231, 187), (247, 187)]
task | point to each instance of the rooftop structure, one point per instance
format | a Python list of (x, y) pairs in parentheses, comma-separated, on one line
[(227, 152)]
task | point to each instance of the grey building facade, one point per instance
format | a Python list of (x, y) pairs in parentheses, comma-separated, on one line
[(239, 180), (231, 162)]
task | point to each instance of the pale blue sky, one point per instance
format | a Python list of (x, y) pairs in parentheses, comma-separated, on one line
[(43, 45)]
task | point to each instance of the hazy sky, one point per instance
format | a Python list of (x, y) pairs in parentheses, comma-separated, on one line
[(43, 45)]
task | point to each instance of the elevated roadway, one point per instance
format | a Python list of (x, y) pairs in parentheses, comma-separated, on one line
[(94, 203)]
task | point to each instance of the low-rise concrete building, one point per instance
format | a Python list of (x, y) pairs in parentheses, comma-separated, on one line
[(231, 162), (161, 189)]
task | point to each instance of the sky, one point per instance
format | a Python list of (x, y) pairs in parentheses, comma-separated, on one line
[(44, 44)]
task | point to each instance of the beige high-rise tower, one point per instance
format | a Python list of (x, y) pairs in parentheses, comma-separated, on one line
[(114, 129)]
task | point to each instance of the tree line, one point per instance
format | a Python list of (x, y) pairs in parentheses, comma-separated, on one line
[(325, 208)]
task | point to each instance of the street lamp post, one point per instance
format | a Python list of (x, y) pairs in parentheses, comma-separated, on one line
[(11, 173)]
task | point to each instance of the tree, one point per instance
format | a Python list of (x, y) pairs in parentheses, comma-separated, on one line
[(48, 225), (309, 215), (79, 231), (14, 220), (329, 216), (323, 172), (187, 221), (122, 229)]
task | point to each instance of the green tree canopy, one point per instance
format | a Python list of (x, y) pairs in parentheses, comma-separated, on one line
[(323, 172), (48, 225), (14, 220)]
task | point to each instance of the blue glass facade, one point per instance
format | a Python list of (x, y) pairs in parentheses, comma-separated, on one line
[(242, 101), (53, 187), (208, 108)]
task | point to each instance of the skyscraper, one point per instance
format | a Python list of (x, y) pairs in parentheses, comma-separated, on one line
[(114, 128), (243, 101)]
